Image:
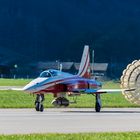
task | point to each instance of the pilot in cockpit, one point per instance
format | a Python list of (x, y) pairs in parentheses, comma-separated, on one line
[(48, 73)]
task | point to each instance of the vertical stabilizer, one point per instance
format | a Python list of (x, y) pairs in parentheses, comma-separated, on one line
[(84, 69)]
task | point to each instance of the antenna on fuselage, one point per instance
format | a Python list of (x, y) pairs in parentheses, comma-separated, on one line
[(61, 67), (92, 62)]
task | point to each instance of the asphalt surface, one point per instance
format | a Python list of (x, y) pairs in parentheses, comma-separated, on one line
[(69, 120)]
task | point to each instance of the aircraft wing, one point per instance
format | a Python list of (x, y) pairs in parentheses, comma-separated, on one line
[(18, 88), (113, 90), (101, 91)]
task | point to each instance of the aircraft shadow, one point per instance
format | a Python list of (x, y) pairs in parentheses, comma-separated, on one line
[(102, 112)]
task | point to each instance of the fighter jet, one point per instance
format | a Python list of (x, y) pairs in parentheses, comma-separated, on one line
[(62, 84)]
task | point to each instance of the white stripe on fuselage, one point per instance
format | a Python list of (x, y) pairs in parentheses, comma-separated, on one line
[(86, 67), (84, 60), (44, 84)]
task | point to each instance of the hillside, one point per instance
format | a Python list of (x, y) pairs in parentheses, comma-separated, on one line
[(49, 29)]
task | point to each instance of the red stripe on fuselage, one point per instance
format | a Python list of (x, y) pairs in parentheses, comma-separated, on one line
[(80, 84), (62, 80)]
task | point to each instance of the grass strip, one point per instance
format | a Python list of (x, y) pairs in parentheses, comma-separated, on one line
[(79, 136), (18, 99)]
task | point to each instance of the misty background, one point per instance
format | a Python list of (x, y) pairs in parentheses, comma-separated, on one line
[(50, 30)]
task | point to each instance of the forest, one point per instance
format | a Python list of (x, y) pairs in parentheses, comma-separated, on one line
[(49, 30)]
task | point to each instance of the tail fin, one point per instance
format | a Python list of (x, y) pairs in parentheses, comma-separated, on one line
[(84, 69)]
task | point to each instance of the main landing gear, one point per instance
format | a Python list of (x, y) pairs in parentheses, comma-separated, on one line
[(98, 103), (39, 102), (62, 101)]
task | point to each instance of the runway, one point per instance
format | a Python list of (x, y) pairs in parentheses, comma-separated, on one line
[(69, 120)]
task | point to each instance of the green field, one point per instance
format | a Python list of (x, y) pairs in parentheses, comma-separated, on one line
[(14, 82), (80, 136), (18, 99)]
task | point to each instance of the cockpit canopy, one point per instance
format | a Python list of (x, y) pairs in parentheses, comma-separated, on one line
[(45, 74), (50, 73), (53, 73)]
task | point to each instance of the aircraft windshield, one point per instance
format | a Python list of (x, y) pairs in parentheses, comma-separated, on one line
[(49, 73), (45, 74)]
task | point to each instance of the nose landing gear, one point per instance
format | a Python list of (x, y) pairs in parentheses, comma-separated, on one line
[(39, 102)]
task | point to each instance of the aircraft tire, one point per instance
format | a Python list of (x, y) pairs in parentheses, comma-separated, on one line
[(97, 107), (41, 108), (37, 104)]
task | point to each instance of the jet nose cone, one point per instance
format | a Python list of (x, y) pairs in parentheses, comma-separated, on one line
[(27, 89), (34, 86)]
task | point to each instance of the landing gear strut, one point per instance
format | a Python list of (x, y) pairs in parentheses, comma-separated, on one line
[(98, 104), (39, 102)]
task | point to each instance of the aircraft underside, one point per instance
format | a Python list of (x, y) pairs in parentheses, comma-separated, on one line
[(62, 101)]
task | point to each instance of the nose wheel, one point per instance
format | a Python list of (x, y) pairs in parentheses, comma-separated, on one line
[(39, 102)]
